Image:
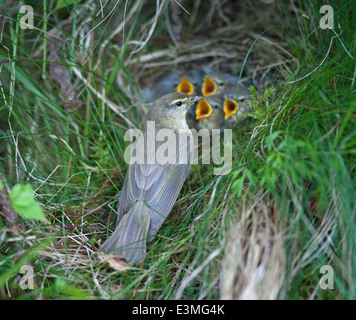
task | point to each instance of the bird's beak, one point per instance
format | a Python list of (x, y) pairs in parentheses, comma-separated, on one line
[(230, 107), (185, 86), (203, 110), (209, 87), (194, 99)]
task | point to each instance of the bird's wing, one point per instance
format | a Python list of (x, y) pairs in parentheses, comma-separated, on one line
[(161, 197), (157, 185), (139, 178)]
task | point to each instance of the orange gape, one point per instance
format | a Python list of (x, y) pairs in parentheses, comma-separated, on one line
[(185, 86), (230, 107), (203, 109), (209, 87)]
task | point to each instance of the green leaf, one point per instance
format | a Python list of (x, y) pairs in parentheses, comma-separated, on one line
[(64, 3), (1, 185), (250, 177), (237, 186), (269, 139), (63, 287), (23, 202)]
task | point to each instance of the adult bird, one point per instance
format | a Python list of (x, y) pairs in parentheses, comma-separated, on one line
[(151, 189)]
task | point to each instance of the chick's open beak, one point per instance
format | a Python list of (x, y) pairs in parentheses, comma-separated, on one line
[(230, 107), (203, 110), (209, 87), (185, 86)]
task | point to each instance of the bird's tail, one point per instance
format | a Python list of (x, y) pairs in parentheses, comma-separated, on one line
[(129, 238)]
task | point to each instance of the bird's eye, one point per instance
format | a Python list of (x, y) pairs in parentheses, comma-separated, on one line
[(215, 107), (221, 84), (242, 100), (179, 103)]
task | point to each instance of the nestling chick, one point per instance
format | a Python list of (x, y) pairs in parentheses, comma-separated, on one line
[(217, 83), (225, 85), (213, 112)]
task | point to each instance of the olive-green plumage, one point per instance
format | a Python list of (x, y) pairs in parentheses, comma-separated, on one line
[(150, 190)]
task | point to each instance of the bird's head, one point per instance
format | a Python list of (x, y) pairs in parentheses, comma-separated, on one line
[(210, 113), (170, 110)]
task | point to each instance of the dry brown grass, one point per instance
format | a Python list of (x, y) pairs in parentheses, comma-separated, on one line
[(254, 263)]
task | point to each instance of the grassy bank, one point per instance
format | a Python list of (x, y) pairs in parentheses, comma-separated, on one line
[(71, 87)]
